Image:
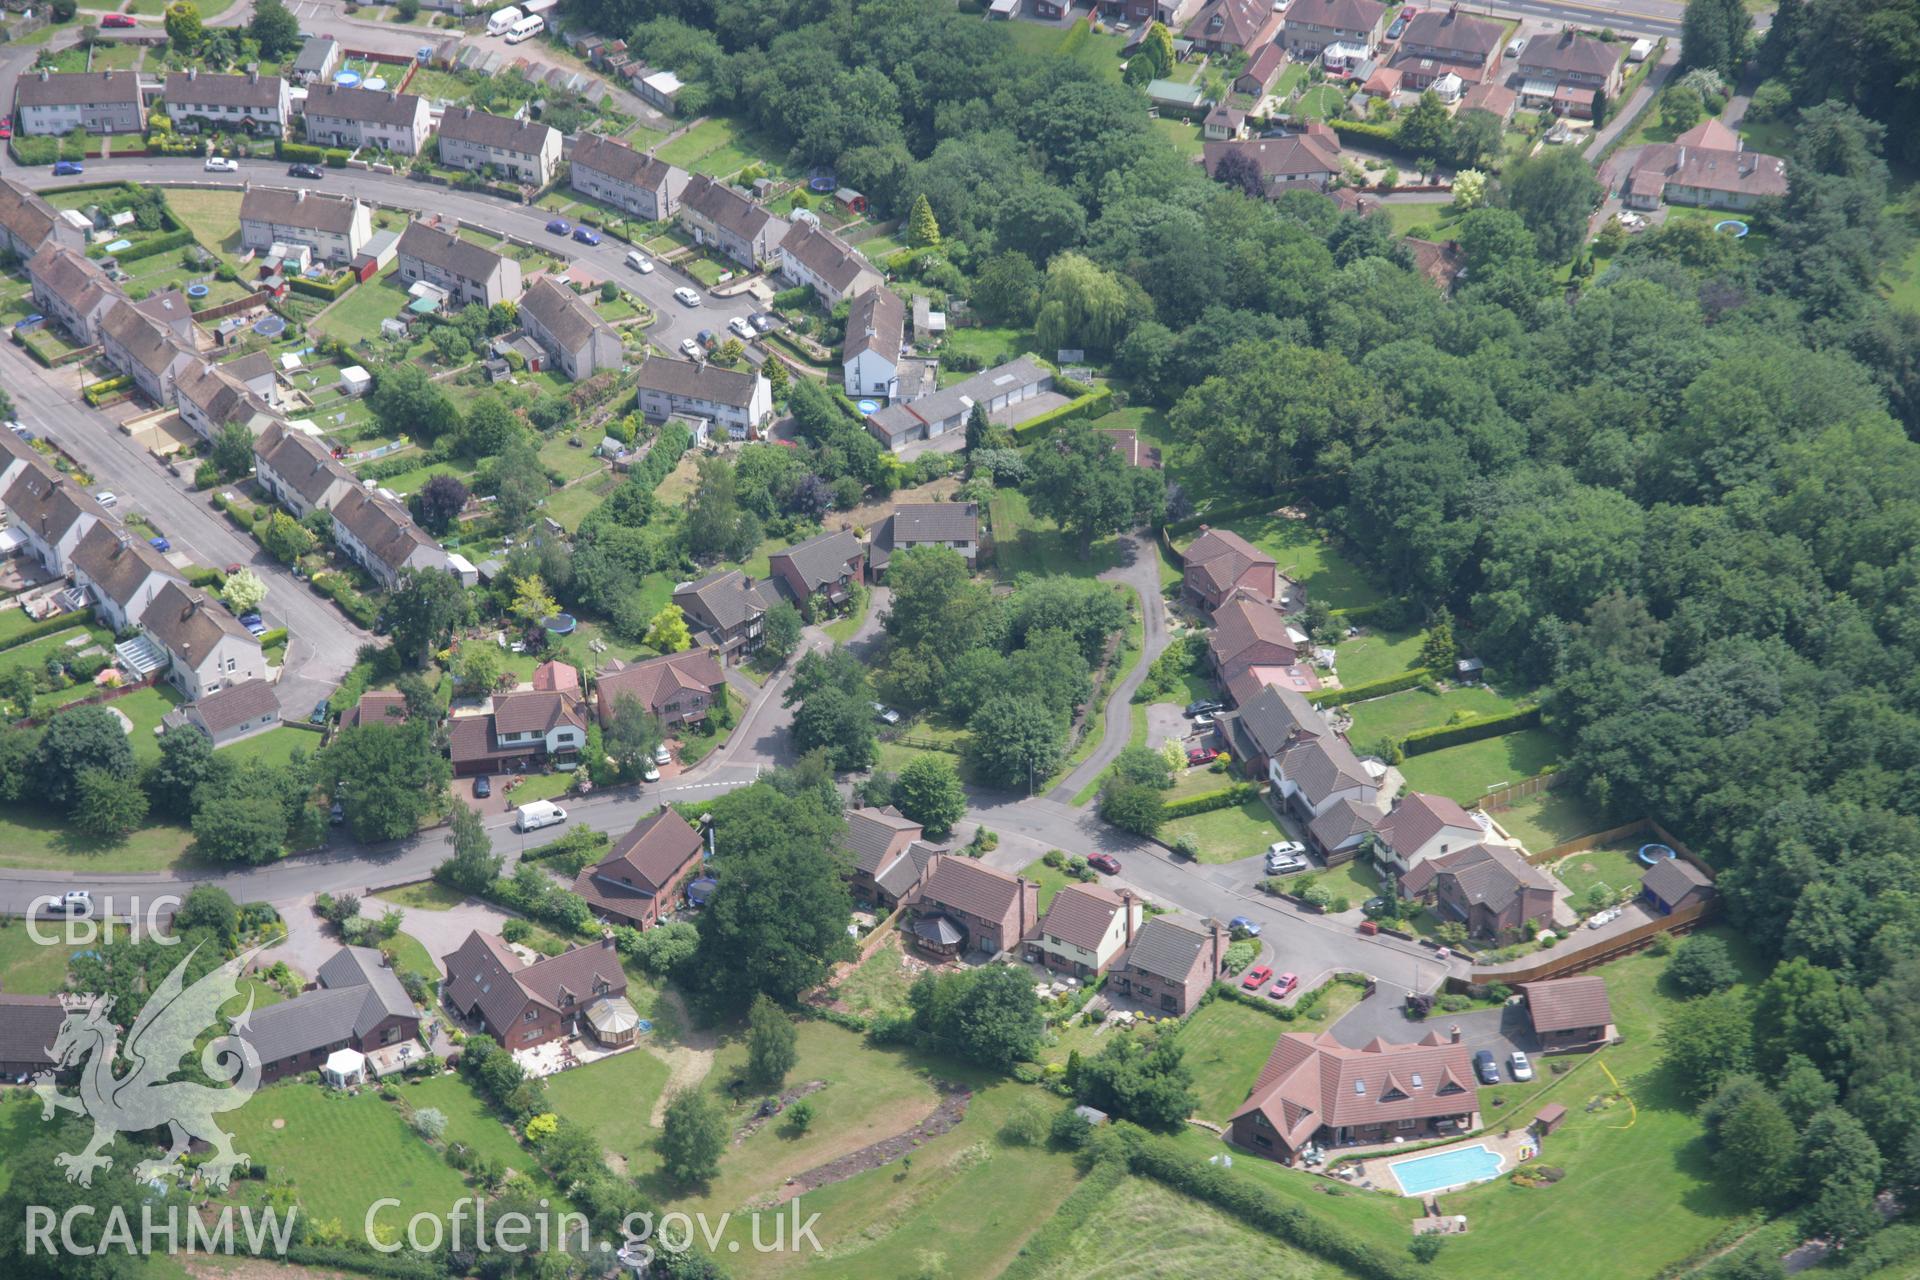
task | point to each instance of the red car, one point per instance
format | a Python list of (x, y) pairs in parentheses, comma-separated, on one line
[(1284, 987), (1255, 976), (1202, 755), (6, 126), (117, 20), (1105, 862)]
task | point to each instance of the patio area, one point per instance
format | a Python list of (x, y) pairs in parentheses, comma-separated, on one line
[(555, 1056)]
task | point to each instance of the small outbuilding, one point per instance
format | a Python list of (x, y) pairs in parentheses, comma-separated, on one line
[(1549, 1118), (1673, 883), (354, 381), (344, 1067)]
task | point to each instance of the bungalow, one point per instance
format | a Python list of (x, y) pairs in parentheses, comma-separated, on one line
[(1085, 929), (360, 1005), (71, 289), (28, 223), (1220, 563), (645, 187), (197, 100), (1262, 70), (385, 120), (1439, 41), (725, 610), (877, 839), (1570, 1013), (826, 565), (382, 706), (1561, 72), (1250, 633), (1228, 26), (1171, 964), (96, 101), (679, 688), (947, 411), (1489, 888), (580, 342), (876, 337), (1423, 826), (740, 402), (319, 59), (143, 349), (1316, 773), (298, 471), (529, 729), (236, 712), (28, 1027), (639, 880), (209, 398), (1298, 160), (812, 256), (1674, 883), (473, 140), (1266, 724), (1312, 25), (955, 525), (521, 1004), (335, 228), (1315, 1091), (1223, 123), (208, 647), (721, 216), (379, 535), (962, 905), (120, 573), (468, 271), (1708, 165), (52, 513)]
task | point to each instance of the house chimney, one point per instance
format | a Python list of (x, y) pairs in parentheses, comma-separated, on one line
[(193, 73), (1023, 883), (1126, 913)]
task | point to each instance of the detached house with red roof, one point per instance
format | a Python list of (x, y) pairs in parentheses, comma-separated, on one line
[(1423, 826), (1220, 562), (521, 1004), (1489, 888), (1708, 165), (1315, 1091), (522, 730), (640, 879), (677, 687), (1249, 633), (1170, 964), (1086, 928), (961, 906)]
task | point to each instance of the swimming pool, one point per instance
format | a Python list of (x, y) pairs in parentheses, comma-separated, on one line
[(1446, 1169)]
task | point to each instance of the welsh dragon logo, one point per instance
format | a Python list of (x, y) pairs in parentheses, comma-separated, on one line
[(147, 1096)]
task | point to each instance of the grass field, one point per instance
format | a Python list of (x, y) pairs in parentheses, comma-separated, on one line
[(1227, 835), (33, 837), (1318, 103), (1101, 51), (28, 967), (719, 148), (358, 313), (880, 984), (1617, 868), (1398, 714), (275, 746), (1226, 1043), (1376, 655), (1026, 543), (1549, 818), (471, 1122), (1467, 771), (1050, 879), (614, 1097), (213, 216)]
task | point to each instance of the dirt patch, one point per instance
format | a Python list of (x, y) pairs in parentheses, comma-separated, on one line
[(688, 1062), (762, 1115), (868, 514), (951, 1111)]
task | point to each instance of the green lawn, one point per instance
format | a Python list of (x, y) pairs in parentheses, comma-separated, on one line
[(145, 709), (614, 1098), (719, 148), (410, 956), (424, 895), (1549, 818), (471, 1122), (275, 746), (989, 346), (343, 1152), (880, 984), (27, 967), (1377, 655), (1309, 559), (1185, 137), (1050, 879), (1227, 835), (841, 629), (33, 837), (1226, 1044), (1170, 1236), (35, 653), (1079, 42), (357, 313), (1319, 102), (1398, 714), (1468, 771), (213, 215), (1617, 868), (1027, 543)]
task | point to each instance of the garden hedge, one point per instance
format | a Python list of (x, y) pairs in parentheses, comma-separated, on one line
[(1421, 741), (202, 576), (1206, 802), (299, 152), (98, 393), (1213, 515), (44, 627), (326, 289), (1092, 405), (163, 243), (1370, 688), (1055, 1236), (665, 455), (337, 588), (268, 639)]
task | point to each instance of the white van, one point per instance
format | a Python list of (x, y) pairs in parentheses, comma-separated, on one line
[(525, 29), (499, 20), (541, 813)]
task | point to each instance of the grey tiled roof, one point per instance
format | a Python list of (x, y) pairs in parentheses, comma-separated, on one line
[(238, 703), (78, 89), (827, 256), (823, 559), (28, 1027), (876, 321), (299, 459), (1167, 947), (689, 380), (563, 313), (117, 562), (370, 106), (190, 624), (905, 871), (201, 88), (619, 161), (358, 992), (382, 526), (727, 209), (302, 208), (1672, 878), (725, 596), (464, 124), (871, 832), (1322, 766), (1271, 718), (25, 214), (436, 248)]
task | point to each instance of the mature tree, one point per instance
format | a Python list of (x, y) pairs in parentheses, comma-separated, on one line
[(1714, 34), (715, 526), (1437, 648), (1279, 411), (1752, 1137), (425, 608), (1143, 766), (1702, 965), (40, 1185), (285, 538), (777, 378), (275, 27), (1240, 171), (476, 665), (1805, 1091), (630, 735), (1840, 1170), (207, 906), (1040, 220), (1143, 1078), (532, 602), (243, 591), (389, 778), (668, 631), (989, 1015), (1015, 741), (1477, 140), (1132, 807), (937, 608), (693, 1134), (779, 916), (184, 28), (923, 230), (835, 709), (440, 501), (978, 426), (1007, 289), (1555, 193), (928, 790), (1681, 108), (1427, 127), (241, 817), (105, 806), (1082, 306), (474, 865), (405, 401), (772, 1044), (75, 741), (1714, 1041), (186, 760), (489, 427), (780, 630), (1081, 482), (518, 482), (233, 451)]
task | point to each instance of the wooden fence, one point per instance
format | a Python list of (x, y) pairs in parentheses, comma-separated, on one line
[(1503, 799), (1564, 961)]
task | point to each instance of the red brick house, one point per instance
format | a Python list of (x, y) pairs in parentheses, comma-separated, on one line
[(677, 687), (521, 1004), (1489, 888), (877, 839), (826, 566), (1086, 928), (962, 906), (1316, 1091), (1570, 1013), (1171, 964), (1249, 632), (360, 1004), (639, 880), (1441, 40), (1221, 562)]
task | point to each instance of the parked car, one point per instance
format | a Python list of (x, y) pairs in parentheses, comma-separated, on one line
[(6, 126), (1601, 919), (661, 755), (708, 339), (252, 622), (160, 544), (482, 787), (1485, 1067), (689, 348), (1105, 862), (220, 164), (639, 261), (1284, 986), (337, 814), (1281, 848), (74, 902), (687, 297), (305, 171), (319, 715), (586, 235), (1202, 755), (1242, 924), (651, 773), (117, 20), (1255, 976), (1518, 1064), (1204, 720), (1400, 23), (68, 168), (106, 498), (762, 322), (559, 226), (1285, 864), (1201, 708), (885, 714), (741, 328)]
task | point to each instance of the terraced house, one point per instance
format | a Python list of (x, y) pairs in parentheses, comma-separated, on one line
[(627, 179), (298, 471), (376, 531), (1439, 41), (466, 270), (55, 102), (474, 140), (1312, 25), (70, 289), (353, 118), (812, 256), (716, 214), (197, 99), (739, 402), (577, 340), (143, 349), (28, 223), (335, 228), (209, 398)]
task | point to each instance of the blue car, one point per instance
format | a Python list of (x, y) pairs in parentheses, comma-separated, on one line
[(1241, 924), (253, 623), (586, 235), (559, 226), (160, 544), (67, 169)]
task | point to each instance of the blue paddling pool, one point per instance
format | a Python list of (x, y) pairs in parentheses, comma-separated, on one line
[(1731, 227), (1446, 1169), (868, 407), (346, 79)]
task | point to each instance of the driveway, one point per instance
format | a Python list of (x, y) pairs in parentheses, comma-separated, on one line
[(441, 932), (1379, 1016), (1139, 569)]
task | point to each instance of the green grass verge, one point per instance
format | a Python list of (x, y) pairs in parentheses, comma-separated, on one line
[(30, 968), (1227, 835), (32, 837)]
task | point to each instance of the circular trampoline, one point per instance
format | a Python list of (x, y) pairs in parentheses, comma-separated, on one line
[(1731, 227), (869, 407), (376, 83), (820, 186), (346, 79), (561, 624), (270, 326), (1652, 853), (196, 291)]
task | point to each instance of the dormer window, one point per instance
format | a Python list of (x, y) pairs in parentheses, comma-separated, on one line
[(1360, 1088)]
